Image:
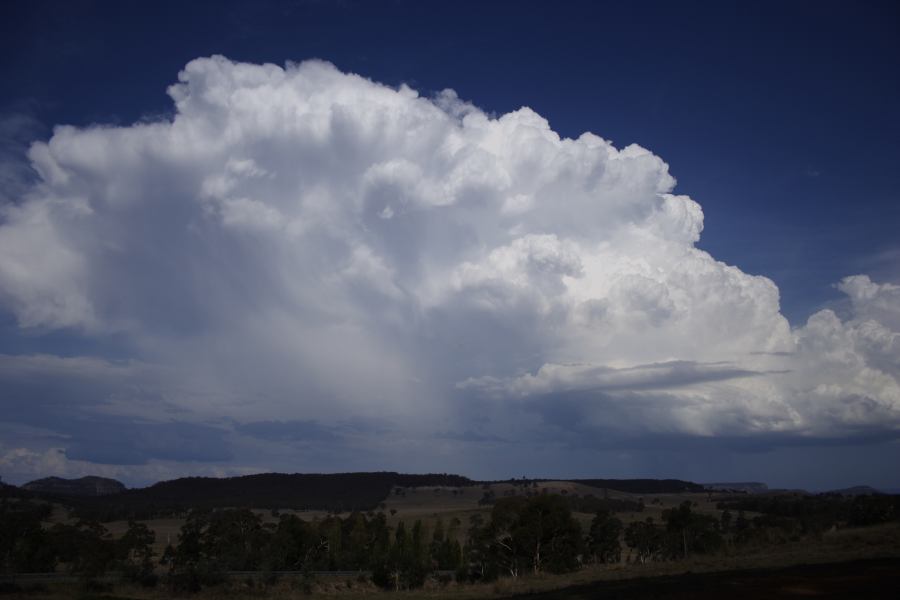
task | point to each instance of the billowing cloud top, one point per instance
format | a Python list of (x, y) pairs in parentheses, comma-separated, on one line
[(300, 244)]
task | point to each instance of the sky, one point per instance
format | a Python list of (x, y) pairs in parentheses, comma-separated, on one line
[(573, 239)]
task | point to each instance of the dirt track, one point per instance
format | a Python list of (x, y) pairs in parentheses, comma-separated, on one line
[(875, 578)]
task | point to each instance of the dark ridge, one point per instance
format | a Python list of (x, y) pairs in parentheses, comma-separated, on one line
[(630, 486), (84, 486), (748, 487), (337, 492), (643, 486), (857, 490), (10, 491)]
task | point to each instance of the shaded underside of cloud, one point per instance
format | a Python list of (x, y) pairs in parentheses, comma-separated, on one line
[(300, 248)]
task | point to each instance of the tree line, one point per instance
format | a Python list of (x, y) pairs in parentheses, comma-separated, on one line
[(521, 535), (821, 511), (84, 548)]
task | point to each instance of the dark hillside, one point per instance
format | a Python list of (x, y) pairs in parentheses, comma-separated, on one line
[(332, 492), (337, 492), (643, 486), (84, 486), (858, 490)]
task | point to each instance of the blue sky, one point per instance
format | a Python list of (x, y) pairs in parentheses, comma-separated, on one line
[(778, 119)]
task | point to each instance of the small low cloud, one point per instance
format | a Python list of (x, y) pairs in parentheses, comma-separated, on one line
[(659, 376)]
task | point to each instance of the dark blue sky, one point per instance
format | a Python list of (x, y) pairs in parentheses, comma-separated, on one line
[(779, 118), (148, 328)]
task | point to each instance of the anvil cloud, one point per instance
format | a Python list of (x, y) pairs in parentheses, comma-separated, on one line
[(307, 252)]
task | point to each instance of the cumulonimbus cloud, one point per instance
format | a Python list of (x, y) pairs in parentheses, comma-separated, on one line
[(304, 244)]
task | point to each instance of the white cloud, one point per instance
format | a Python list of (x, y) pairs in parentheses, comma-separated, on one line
[(301, 243), (874, 302)]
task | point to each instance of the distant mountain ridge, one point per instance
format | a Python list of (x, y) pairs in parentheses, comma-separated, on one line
[(857, 490), (755, 487), (338, 492), (643, 486), (90, 486), (107, 499), (749, 487)]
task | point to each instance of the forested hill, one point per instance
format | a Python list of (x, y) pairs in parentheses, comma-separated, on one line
[(643, 486), (337, 492), (84, 486)]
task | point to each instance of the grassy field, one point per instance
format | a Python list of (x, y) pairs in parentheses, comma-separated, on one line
[(430, 504)]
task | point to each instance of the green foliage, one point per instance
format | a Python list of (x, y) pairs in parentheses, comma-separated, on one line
[(212, 543), (86, 548), (488, 498), (796, 516), (234, 539), (446, 553), (822, 510), (478, 560), (689, 532), (135, 553), (524, 534), (406, 564), (24, 545), (644, 538), (536, 534), (603, 539), (192, 566)]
